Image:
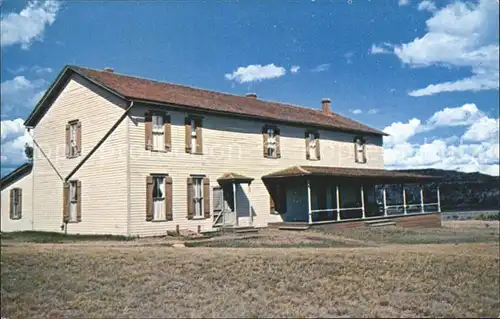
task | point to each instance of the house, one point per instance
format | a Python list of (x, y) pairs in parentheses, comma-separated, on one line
[(17, 209), (117, 154)]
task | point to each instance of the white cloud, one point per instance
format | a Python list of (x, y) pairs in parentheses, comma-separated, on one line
[(403, 2), (400, 132), (28, 25), (356, 111), (427, 6), (294, 69), (384, 48), (14, 137), (21, 93), (455, 116), (256, 72), (477, 150), (373, 111), (462, 34), (41, 70), (321, 68), (483, 130)]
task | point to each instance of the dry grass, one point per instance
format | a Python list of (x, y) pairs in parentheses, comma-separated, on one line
[(391, 281)]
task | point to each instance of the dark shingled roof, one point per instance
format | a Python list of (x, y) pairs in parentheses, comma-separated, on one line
[(344, 172), (135, 88), (234, 177)]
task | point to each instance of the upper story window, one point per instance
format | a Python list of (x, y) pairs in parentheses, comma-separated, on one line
[(159, 198), (271, 136), (158, 131), (194, 138), (16, 201), (313, 150), (73, 138), (359, 149)]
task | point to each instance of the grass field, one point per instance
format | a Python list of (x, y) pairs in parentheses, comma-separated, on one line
[(376, 279)]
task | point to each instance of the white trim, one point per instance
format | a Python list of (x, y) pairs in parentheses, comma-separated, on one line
[(310, 211), (422, 198), (438, 199), (373, 217), (384, 196), (235, 206), (404, 200), (338, 202), (362, 202)]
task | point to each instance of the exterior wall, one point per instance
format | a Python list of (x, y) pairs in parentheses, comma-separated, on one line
[(229, 145), (103, 176), (26, 221)]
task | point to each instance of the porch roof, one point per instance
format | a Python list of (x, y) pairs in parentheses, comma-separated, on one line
[(234, 178), (379, 175)]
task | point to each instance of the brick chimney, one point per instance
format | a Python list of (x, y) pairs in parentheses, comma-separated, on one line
[(325, 105), (108, 69), (252, 95)]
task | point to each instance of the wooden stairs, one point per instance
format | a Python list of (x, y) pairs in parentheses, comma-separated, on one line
[(380, 222), (239, 229)]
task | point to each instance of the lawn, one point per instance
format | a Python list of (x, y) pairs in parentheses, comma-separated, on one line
[(375, 279)]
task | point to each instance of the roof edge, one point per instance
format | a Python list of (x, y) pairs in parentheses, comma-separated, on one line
[(15, 175)]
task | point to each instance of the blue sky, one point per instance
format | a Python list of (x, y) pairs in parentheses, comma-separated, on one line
[(426, 72)]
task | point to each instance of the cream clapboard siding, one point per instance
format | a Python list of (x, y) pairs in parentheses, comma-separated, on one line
[(229, 145), (103, 176), (26, 221)]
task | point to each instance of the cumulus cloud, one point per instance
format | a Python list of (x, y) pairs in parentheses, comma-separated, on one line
[(384, 48), (255, 73), (462, 34), (373, 111), (294, 69), (29, 24), (356, 111), (403, 2), (20, 94), (14, 137), (476, 150), (321, 68), (427, 6)]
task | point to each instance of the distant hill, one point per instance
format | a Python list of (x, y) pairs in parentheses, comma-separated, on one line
[(464, 191)]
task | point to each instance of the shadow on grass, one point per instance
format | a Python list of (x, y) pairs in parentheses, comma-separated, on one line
[(269, 243), (53, 237)]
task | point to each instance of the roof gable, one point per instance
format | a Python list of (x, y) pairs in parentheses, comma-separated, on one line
[(15, 175), (139, 89)]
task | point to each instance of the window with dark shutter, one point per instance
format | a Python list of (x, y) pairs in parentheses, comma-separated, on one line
[(16, 201), (194, 135), (271, 141), (158, 197), (73, 138), (359, 149), (312, 146)]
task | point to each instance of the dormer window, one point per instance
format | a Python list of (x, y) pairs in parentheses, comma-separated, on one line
[(359, 149), (271, 136)]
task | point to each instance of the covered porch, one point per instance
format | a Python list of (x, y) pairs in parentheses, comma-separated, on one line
[(316, 195)]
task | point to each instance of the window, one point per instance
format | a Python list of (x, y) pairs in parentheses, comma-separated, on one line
[(194, 135), (158, 132), (16, 200), (359, 149), (198, 196), (73, 139), (73, 201), (271, 136), (159, 199), (312, 146)]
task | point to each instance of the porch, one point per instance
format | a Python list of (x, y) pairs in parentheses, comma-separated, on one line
[(310, 195)]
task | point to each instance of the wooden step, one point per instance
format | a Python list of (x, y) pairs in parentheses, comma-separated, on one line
[(293, 227), (382, 224), (240, 229), (377, 221)]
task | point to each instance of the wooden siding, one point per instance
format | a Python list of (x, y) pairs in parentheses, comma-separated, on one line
[(229, 145), (103, 176), (26, 221)]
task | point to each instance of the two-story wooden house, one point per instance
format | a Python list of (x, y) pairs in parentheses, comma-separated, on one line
[(116, 154)]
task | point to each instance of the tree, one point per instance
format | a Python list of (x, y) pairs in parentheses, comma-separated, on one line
[(28, 151)]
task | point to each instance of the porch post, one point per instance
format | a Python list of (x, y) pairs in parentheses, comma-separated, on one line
[(338, 202), (422, 198), (362, 202), (234, 201), (404, 199), (439, 199), (309, 201), (250, 206), (384, 196)]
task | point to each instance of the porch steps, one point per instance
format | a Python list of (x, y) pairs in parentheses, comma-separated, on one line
[(240, 229), (293, 227), (380, 223)]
